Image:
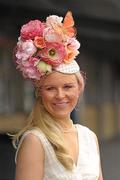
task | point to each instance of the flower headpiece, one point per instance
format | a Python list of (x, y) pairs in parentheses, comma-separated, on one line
[(46, 46)]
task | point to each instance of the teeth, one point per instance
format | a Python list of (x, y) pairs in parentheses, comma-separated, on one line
[(63, 104)]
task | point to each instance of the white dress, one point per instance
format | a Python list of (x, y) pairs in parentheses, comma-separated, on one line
[(87, 167)]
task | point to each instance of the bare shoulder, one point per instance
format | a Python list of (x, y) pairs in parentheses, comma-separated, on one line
[(30, 145), (30, 159)]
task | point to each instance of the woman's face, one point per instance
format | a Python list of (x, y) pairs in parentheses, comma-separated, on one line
[(59, 93)]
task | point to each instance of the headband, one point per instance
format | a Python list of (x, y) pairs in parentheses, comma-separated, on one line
[(47, 46)]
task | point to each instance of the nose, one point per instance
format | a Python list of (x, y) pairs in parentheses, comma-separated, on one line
[(60, 94)]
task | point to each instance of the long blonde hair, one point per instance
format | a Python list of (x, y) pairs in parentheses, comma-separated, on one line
[(40, 118)]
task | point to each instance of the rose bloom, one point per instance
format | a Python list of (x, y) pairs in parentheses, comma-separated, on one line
[(25, 49), (72, 46), (29, 69), (39, 42), (73, 43), (31, 29), (53, 54), (53, 20), (51, 35), (31, 73), (71, 54)]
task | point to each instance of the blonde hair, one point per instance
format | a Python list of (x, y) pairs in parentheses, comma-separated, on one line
[(40, 118)]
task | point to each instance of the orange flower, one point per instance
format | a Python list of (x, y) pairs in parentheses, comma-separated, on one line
[(39, 42), (70, 55)]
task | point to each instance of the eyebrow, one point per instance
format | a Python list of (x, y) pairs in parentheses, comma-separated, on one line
[(63, 84)]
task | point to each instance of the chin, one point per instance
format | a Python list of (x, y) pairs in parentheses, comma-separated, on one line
[(61, 115)]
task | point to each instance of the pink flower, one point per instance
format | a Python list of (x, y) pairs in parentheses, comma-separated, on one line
[(29, 68), (31, 29), (72, 46), (53, 20), (39, 42), (52, 36), (25, 49), (42, 46), (53, 54), (31, 73), (54, 24), (71, 54), (73, 43)]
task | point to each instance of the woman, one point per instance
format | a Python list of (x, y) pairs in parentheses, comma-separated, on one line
[(50, 146)]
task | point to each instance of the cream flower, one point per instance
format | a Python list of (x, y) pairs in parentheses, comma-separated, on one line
[(51, 36), (53, 20)]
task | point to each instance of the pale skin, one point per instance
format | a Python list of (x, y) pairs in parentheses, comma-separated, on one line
[(60, 94)]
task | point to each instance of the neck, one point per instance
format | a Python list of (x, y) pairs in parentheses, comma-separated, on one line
[(66, 125), (65, 121)]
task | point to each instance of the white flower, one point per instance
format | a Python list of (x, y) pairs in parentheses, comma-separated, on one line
[(74, 43), (53, 20), (52, 36)]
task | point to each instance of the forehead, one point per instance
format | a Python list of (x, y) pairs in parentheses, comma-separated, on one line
[(57, 78)]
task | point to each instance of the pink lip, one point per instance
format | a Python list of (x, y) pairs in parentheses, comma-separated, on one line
[(60, 104)]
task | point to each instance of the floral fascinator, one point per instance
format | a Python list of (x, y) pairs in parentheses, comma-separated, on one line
[(47, 46)]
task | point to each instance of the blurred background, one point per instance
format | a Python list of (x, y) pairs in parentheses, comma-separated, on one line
[(98, 30)]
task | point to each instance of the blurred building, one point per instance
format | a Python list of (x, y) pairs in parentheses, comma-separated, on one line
[(98, 26)]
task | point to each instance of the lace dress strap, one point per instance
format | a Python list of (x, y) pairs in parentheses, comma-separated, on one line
[(38, 133)]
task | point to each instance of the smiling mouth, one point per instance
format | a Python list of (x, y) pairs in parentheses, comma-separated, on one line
[(60, 104)]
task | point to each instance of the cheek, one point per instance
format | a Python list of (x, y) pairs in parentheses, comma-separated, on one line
[(74, 96), (76, 92), (46, 98), (46, 102)]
